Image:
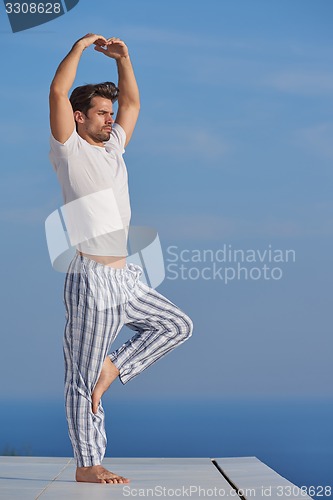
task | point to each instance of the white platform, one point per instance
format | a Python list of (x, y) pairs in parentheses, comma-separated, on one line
[(46, 478)]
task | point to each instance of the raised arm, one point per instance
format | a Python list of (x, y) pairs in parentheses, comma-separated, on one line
[(129, 98), (61, 113)]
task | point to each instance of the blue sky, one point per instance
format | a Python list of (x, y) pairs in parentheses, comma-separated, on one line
[(233, 147)]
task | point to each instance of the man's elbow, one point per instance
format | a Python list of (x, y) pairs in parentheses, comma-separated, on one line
[(56, 91), (132, 104)]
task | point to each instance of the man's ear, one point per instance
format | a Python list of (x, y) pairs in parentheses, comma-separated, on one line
[(78, 116)]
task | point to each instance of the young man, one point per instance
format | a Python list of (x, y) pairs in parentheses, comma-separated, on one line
[(102, 292)]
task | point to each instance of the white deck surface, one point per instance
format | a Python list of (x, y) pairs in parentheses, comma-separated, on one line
[(46, 478), (254, 479)]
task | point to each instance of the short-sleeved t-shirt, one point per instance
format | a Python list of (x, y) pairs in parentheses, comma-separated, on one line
[(94, 184)]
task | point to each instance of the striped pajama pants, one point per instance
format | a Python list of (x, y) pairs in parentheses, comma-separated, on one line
[(99, 300)]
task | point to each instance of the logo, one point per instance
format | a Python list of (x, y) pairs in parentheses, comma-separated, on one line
[(82, 221), (24, 15)]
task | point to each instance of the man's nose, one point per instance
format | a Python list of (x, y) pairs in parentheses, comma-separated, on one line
[(110, 119)]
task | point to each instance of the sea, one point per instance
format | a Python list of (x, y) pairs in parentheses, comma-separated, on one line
[(293, 437)]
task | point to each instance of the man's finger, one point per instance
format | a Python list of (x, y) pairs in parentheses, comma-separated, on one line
[(98, 48), (97, 38), (100, 42), (116, 42)]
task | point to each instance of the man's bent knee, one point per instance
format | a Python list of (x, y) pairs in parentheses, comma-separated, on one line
[(186, 327)]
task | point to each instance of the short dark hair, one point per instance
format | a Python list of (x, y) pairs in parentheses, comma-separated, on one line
[(81, 97)]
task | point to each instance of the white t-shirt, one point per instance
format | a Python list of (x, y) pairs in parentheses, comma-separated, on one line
[(95, 190)]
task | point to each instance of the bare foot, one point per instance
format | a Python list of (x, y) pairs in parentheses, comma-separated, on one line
[(108, 374), (98, 474)]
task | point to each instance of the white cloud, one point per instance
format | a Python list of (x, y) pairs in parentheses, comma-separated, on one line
[(252, 72), (309, 221), (307, 82), (191, 140), (317, 138), (246, 62), (218, 43)]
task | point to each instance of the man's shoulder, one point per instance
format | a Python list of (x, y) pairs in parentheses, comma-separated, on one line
[(72, 137), (67, 148)]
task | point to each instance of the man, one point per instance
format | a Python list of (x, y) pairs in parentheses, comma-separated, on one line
[(102, 292)]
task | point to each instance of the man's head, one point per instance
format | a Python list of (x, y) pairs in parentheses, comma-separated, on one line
[(93, 110)]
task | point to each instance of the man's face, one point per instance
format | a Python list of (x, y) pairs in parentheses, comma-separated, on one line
[(97, 124)]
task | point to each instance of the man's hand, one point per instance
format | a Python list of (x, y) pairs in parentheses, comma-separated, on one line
[(114, 48), (91, 39)]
